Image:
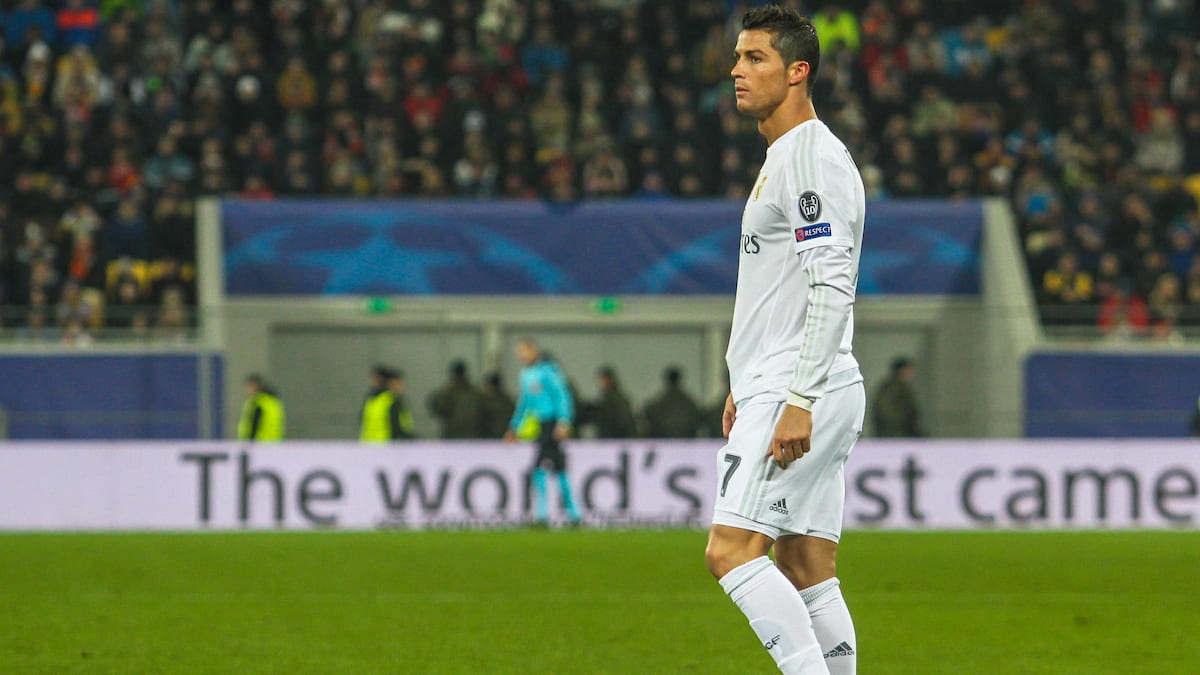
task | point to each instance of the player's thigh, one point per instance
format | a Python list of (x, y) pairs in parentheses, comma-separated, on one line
[(742, 463)]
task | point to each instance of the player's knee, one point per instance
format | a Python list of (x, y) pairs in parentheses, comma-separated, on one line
[(806, 569), (721, 557), (798, 574)]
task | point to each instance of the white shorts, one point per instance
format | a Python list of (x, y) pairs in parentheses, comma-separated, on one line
[(808, 497)]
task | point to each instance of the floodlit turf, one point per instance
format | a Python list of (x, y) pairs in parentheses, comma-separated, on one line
[(580, 602)]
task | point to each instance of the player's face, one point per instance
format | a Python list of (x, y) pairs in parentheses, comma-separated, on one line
[(759, 76)]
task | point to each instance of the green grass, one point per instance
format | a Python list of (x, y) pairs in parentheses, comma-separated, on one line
[(580, 602)]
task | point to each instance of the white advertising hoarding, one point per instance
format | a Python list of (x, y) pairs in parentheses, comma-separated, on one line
[(889, 484)]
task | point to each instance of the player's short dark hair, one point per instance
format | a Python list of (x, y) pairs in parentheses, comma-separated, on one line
[(792, 35)]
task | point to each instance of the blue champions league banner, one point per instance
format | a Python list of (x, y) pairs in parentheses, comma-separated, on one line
[(590, 248)]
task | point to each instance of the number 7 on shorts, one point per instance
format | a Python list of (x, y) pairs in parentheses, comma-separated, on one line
[(734, 461)]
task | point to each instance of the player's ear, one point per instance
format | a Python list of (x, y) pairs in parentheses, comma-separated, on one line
[(797, 72)]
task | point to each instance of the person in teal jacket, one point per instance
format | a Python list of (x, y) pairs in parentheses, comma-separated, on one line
[(545, 411)]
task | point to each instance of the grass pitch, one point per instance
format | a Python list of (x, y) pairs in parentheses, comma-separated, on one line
[(580, 602)]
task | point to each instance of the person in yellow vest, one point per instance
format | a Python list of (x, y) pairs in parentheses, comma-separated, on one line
[(385, 417), (263, 416)]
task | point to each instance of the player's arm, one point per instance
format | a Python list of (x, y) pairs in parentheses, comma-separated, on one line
[(830, 271), (255, 422), (564, 405), (817, 210), (518, 416), (394, 421)]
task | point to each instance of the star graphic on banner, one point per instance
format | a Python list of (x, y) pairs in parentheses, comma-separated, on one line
[(503, 252), (378, 264), (704, 251), (257, 249), (875, 264), (947, 250)]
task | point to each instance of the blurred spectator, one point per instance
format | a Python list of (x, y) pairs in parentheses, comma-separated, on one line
[(1068, 289), (385, 417), (611, 415), (672, 413), (1123, 314), (897, 414), (263, 416), (497, 406), (459, 406), (173, 319), (837, 28), (1166, 304), (28, 23), (126, 311)]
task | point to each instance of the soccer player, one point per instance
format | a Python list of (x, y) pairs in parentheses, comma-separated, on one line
[(545, 411), (796, 403)]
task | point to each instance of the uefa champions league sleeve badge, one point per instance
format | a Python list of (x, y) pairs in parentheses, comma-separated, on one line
[(810, 206)]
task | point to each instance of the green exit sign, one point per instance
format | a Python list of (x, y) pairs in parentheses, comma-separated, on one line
[(606, 305), (377, 304)]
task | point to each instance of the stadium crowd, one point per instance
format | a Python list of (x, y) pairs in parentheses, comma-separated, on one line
[(116, 114)]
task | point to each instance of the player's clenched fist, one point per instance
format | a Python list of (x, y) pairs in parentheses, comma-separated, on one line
[(793, 434)]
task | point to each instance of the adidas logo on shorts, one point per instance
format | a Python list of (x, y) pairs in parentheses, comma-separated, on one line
[(779, 507), (843, 649)]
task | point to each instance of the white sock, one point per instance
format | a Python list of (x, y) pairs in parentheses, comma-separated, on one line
[(832, 624), (777, 615)]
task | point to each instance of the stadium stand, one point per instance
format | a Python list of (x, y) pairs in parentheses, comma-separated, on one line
[(115, 115)]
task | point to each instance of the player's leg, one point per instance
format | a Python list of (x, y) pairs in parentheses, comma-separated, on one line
[(739, 541), (738, 559), (564, 488), (556, 456), (542, 465), (541, 509), (810, 560), (810, 564)]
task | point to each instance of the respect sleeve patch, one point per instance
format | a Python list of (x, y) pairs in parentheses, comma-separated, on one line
[(813, 231)]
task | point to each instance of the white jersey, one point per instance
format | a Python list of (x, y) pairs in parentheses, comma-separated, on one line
[(802, 230)]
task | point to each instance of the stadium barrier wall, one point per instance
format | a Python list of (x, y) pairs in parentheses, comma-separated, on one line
[(1111, 394), (905, 485), (130, 394)]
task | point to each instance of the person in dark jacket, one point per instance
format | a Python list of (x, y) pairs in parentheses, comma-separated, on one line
[(672, 413), (611, 414), (896, 412), (457, 404), (496, 406)]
